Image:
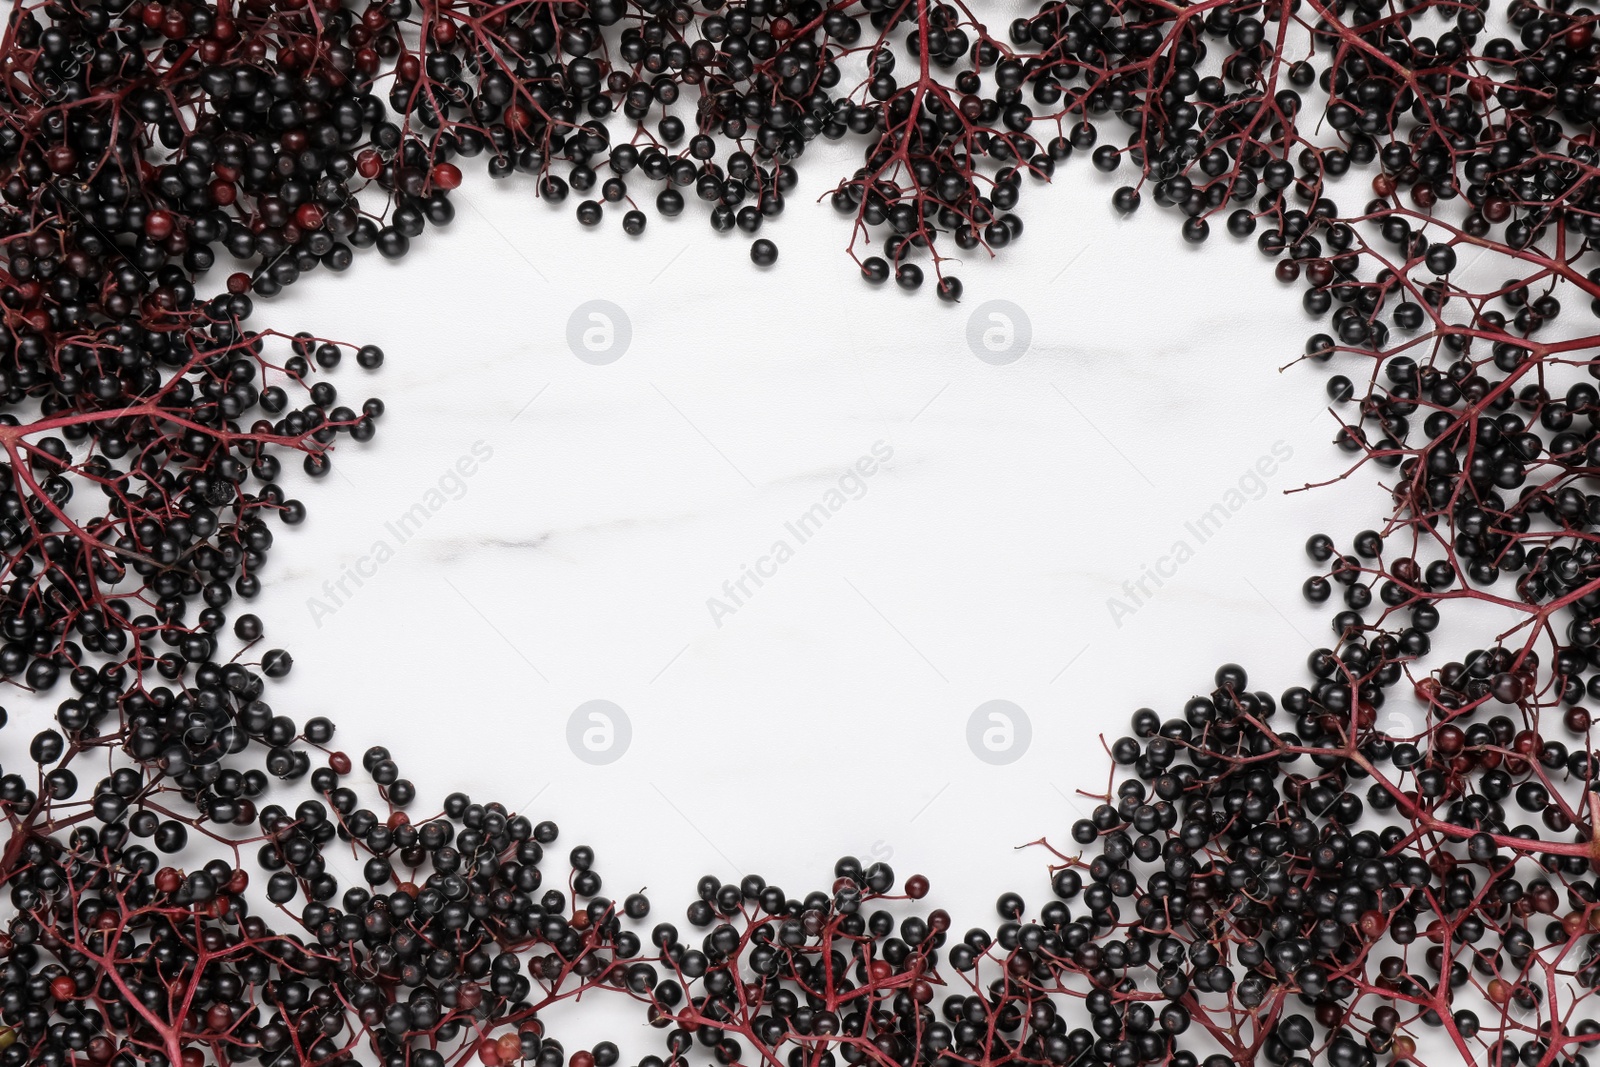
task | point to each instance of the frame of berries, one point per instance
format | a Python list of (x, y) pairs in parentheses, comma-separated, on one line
[(1267, 880)]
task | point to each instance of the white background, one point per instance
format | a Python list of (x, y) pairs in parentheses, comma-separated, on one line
[(829, 714)]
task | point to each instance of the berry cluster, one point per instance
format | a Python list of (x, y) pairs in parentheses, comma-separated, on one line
[(1317, 876)]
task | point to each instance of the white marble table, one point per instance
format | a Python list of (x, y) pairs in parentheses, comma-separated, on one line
[(607, 537)]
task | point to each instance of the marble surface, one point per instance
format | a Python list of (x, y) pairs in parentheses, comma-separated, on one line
[(796, 536)]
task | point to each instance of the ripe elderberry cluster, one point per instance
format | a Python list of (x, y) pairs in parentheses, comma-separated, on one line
[(1341, 874)]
